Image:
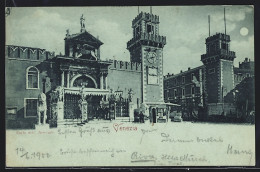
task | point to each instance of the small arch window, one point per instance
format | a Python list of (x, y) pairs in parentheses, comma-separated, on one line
[(150, 28), (32, 78)]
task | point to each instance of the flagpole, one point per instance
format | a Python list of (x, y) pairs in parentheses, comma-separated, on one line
[(209, 24)]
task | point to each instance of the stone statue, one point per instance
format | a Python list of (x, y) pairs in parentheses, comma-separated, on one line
[(68, 32), (81, 91), (42, 108), (82, 20), (82, 103), (60, 93), (57, 95), (54, 96), (130, 94)]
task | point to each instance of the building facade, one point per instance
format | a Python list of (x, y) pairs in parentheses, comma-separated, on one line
[(244, 70), (207, 85), (42, 87)]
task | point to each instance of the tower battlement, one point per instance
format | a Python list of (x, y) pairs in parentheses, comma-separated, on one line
[(127, 66), (28, 53), (218, 36), (160, 40), (146, 17), (218, 47)]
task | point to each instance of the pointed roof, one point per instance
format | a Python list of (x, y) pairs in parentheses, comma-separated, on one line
[(84, 37)]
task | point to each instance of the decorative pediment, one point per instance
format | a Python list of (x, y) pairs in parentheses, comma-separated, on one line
[(85, 39)]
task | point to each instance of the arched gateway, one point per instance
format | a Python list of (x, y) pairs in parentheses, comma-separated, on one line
[(88, 86)]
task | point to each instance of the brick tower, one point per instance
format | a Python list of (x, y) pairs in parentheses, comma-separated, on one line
[(146, 47), (219, 73)]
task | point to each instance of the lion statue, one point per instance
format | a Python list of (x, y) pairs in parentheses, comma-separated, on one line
[(42, 108)]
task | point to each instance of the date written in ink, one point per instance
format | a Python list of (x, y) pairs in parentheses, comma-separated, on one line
[(22, 153)]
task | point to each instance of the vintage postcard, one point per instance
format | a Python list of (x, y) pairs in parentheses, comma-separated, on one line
[(130, 86)]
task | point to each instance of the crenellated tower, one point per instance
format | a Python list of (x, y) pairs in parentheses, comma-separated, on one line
[(146, 47), (219, 73)]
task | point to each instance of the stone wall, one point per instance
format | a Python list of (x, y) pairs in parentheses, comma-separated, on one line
[(17, 62), (212, 82), (217, 109), (20, 52), (124, 77)]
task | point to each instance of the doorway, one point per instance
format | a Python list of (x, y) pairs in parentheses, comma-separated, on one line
[(154, 115)]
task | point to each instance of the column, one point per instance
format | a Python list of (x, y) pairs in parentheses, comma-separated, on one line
[(106, 82), (68, 79), (201, 89), (115, 111), (101, 81), (62, 79)]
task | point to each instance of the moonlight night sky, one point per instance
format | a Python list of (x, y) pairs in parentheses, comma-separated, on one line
[(185, 28)]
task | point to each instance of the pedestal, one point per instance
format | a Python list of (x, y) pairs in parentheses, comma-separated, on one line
[(42, 127), (60, 111), (131, 111), (84, 111)]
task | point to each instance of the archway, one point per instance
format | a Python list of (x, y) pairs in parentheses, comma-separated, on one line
[(87, 80)]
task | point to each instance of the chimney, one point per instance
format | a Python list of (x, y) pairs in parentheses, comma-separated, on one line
[(188, 68), (246, 59)]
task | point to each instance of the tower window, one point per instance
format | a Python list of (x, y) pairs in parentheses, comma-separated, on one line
[(183, 79), (137, 30), (149, 28), (183, 92), (175, 93), (211, 70), (212, 48), (192, 89), (192, 75), (32, 78), (224, 46), (166, 84)]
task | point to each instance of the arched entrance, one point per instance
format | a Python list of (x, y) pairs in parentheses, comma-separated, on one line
[(72, 106)]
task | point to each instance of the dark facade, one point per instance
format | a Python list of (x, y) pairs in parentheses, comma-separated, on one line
[(27, 74), (183, 86), (244, 70), (211, 82)]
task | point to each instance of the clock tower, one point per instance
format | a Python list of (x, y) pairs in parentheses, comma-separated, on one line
[(146, 47)]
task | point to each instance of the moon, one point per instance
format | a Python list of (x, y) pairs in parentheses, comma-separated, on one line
[(244, 31)]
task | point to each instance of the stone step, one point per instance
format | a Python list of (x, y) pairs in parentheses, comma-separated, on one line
[(42, 126), (123, 119), (60, 122)]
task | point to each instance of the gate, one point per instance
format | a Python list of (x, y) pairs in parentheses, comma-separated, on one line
[(71, 106), (121, 108)]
